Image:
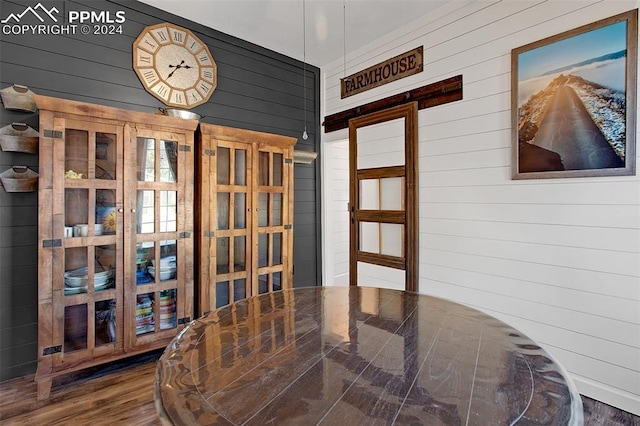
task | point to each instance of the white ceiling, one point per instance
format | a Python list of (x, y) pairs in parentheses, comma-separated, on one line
[(278, 24)]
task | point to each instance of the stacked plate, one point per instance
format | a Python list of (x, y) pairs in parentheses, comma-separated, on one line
[(76, 281), (145, 322), (167, 309)]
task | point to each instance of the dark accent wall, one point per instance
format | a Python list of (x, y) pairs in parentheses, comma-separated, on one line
[(258, 89)]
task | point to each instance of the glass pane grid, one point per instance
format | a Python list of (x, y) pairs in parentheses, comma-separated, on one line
[(381, 194), (382, 238), (232, 247)]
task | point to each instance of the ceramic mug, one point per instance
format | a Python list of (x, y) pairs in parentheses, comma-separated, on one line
[(81, 230), (97, 229), (68, 231)]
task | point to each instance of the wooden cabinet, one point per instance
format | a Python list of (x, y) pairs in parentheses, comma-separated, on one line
[(245, 211), (116, 227)]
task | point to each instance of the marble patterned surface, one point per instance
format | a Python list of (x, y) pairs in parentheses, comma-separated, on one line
[(359, 356)]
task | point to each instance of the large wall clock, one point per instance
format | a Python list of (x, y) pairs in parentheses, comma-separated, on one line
[(174, 65)]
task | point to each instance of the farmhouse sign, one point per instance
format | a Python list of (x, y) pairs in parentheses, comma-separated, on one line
[(401, 66)]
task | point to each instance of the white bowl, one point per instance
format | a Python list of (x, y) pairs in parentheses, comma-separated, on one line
[(165, 273), (169, 261)]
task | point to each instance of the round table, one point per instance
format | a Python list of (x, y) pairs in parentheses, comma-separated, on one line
[(359, 356)]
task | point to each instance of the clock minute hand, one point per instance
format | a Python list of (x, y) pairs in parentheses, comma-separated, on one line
[(176, 68), (171, 73)]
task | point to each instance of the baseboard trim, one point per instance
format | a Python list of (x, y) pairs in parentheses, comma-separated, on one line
[(615, 397)]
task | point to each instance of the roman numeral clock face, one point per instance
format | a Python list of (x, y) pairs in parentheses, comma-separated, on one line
[(174, 65)]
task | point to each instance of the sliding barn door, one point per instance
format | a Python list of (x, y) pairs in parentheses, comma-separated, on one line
[(383, 198)]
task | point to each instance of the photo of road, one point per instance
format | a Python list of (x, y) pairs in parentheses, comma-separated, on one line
[(568, 130), (572, 107)]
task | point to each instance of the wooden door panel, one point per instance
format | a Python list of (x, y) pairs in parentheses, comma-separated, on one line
[(383, 196)]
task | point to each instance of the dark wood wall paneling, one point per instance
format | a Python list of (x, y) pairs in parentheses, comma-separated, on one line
[(258, 89)]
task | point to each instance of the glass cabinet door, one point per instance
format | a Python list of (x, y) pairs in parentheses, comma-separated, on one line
[(244, 205), (157, 260), (232, 222), (90, 285), (272, 205)]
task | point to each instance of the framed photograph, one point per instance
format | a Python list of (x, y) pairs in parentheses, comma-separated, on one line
[(573, 102)]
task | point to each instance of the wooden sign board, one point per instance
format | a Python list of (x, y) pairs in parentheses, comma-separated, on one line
[(434, 94), (401, 66)]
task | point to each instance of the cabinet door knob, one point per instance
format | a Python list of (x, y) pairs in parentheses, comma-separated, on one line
[(133, 210), (120, 210)]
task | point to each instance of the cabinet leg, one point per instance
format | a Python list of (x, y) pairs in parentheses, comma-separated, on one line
[(44, 388)]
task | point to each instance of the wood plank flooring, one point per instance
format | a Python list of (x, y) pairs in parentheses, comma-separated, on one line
[(121, 393)]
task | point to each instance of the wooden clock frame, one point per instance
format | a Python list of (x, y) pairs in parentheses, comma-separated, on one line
[(174, 65)]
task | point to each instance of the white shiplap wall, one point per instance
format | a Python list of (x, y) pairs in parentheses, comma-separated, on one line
[(335, 200), (559, 258)]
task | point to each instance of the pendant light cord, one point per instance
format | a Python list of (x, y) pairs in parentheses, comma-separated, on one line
[(305, 136), (344, 39)]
